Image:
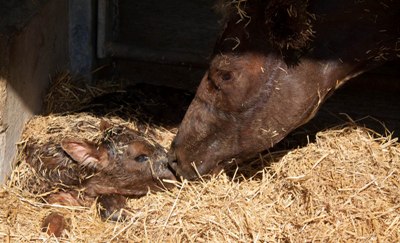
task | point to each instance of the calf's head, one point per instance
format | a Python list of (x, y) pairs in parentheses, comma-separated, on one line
[(124, 163), (269, 76)]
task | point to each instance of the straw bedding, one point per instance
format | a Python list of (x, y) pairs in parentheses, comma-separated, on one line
[(345, 186)]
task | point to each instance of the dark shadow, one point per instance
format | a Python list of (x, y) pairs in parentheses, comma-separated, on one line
[(158, 105), (362, 34)]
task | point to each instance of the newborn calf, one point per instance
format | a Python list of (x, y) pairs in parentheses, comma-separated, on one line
[(123, 163)]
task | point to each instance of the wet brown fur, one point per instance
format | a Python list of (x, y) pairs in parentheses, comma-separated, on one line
[(122, 163)]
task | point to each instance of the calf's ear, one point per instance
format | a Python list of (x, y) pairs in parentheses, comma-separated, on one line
[(85, 153)]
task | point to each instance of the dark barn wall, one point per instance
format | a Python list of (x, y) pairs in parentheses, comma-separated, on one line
[(33, 46), (161, 42)]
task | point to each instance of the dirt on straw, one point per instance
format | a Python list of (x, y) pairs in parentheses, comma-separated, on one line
[(345, 186)]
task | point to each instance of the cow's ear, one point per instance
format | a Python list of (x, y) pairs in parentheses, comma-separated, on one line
[(288, 23), (85, 153)]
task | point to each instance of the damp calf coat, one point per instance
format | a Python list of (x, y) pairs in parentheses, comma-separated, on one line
[(124, 163), (273, 66)]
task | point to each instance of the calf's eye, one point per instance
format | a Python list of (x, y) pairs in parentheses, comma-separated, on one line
[(141, 158)]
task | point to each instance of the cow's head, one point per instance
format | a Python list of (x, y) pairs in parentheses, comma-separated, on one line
[(268, 76)]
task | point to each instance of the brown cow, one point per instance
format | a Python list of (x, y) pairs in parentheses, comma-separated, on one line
[(274, 65), (125, 163)]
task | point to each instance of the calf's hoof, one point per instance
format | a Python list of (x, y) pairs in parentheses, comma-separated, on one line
[(111, 207)]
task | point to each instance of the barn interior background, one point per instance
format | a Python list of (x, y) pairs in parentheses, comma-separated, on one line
[(157, 42)]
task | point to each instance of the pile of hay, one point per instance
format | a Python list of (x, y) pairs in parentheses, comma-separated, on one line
[(68, 94), (43, 128), (343, 187)]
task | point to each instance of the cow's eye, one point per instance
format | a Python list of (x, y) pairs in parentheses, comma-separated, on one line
[(141, 158), (225, 75)]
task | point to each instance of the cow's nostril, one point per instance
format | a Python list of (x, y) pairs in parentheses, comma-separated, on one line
[(173, 164), (172, 159)]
